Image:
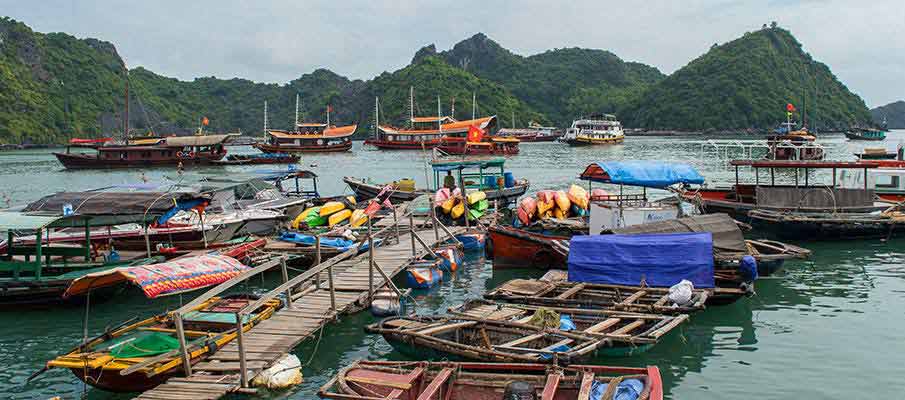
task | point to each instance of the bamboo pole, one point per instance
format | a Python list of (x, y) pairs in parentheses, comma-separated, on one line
[(285, 271), (317, 259), (370, 263), (412, 229), (183, 347), (243, 368)]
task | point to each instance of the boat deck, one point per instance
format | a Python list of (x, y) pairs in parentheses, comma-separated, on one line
[(310, 312)]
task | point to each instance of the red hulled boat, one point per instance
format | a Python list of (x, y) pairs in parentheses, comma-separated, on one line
[(425, 132), (308, 138), (168, 151)]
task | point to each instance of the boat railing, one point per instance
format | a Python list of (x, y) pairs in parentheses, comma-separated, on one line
[(311, 276), (750, 148)]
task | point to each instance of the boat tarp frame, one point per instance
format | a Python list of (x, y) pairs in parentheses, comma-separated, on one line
[(655, 260), (727, 237), (653, 174)]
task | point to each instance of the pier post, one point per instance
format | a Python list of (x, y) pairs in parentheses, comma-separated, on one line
[(434, 222), (317, 259), (243, 368), (332, 289), (285, 269), (412, 229), (370, 264), (395, 223), (183, 347)]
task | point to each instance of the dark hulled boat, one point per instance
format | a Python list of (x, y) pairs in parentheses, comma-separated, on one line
[(308, 138), (168, 151)]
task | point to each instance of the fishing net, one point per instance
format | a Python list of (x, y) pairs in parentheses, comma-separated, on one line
[(145, 344), (544, 318)]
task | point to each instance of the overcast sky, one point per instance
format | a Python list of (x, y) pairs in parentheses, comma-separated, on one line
[(863, 42)]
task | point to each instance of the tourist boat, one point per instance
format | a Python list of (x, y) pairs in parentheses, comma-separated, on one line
[(488, 145), (168, 151), (626, 333), (866, 134), (485, 340), (478, 175), (605, 296), (101, 361), (425, 133), (595, 129), (848, 191), (308, 138), (39, 270), (789, 143), (254, 159), (369, 380), (533, 133)]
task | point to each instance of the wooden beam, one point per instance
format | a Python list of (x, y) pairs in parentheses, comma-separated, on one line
[(551, 386)]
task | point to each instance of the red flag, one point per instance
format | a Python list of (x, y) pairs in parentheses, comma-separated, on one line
[(475, 134), (329, 108), (790, 107), (205, 121)]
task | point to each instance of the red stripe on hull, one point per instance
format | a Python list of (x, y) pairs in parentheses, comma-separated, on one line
[(304, 149), (396, 145)]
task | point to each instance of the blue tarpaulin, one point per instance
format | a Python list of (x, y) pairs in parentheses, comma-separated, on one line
[(337, 243), (660, 260), (654, 174)]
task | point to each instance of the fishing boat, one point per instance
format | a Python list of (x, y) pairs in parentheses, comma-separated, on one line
[(101, 361), (37, 271), (368, 380), (308, 138), (478, 175), (829, 226), (626, 333), (168, 151), (484, 340), (533, 133), (603, 296), (593, 130), (511, 247), (866, 134), (846, 192), (485, 146), (255, 159), (871, 153)]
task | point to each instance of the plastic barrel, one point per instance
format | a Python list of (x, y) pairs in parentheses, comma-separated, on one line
[(490, 182), (509, 179)]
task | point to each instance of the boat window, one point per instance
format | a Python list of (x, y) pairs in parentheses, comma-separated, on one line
[(146, 154), (887, 181)]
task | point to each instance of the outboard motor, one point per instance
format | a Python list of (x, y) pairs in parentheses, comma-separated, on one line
[(519, 390)]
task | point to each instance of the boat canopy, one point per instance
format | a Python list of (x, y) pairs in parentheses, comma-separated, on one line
[(13, 221), (163, 279), (203, 140), (112, 208), (654, 174), (657, 260), (443, 166), (816, 164), (727, 237)]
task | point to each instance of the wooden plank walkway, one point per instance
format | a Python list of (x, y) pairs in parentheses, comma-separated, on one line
[(270, 340)]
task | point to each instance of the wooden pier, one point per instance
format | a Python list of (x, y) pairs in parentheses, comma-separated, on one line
[(343, 284)]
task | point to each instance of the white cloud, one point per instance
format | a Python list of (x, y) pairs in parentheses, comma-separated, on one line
[(278, 41)]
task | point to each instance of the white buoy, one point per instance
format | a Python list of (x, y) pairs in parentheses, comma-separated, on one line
[(287, 372)]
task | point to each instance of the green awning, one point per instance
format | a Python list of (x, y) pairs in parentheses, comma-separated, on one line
[(10, 220)]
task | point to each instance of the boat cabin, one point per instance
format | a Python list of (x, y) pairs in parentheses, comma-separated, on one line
[(612, 211), (308, 137), (476, 175)]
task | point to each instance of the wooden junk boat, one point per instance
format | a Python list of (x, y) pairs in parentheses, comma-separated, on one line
[(789, 143), (425, 132), (482, 175), (138, 356), (371, 380), (308, 138), (167, 151)]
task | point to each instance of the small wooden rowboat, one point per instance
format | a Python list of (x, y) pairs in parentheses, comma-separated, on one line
[(626, 333), (101, 360), (594, 295), (371, 380), (484, 340)]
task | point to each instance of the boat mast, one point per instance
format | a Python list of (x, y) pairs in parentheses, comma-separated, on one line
[(439, 118), (473, 104), (513, 119), (328, 115), (411, 106), (452, 108), (126, 113), (296, 126), (376, 115), (265, 117)]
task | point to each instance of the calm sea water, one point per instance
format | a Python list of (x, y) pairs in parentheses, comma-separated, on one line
[(829, 327)]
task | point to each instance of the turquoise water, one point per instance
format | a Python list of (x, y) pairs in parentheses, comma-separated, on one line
[(829, 327)]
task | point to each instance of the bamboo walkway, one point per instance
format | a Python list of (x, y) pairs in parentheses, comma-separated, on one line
[(313, 306)]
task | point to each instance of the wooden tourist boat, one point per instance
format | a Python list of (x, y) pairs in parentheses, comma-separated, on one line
[(478, 175), (425, 133), (371, 380), (308, 138), (789, 143), (484, 340), (841, 195), (100, 361), (533, 133), (488, 145), (615, 297), (169, 151), (37, 271), (626, 333), (256, 159), (595, 130)]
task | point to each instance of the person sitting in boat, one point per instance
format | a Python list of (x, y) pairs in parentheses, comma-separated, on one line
[(449, 181)]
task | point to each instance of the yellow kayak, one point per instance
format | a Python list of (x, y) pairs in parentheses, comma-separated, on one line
[(339, 217), (544, 206), (558, 213), (358, 218), (448, 205), (578, 196), (475, 197), (562, 200), (301, 217), (331, 207), (458, 210)]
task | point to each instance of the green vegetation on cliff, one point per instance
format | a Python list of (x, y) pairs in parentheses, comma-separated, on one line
[(746, 83), (893, 114)]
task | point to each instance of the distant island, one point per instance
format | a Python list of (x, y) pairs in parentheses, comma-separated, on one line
[(56, 86), (892, 114)]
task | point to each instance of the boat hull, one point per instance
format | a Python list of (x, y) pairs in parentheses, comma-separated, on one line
[(579, 141), (87, 161), (403, 145), (856, 136), (364, 191), (328, 148), (114, 382), (512, 248), (462, 148)]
